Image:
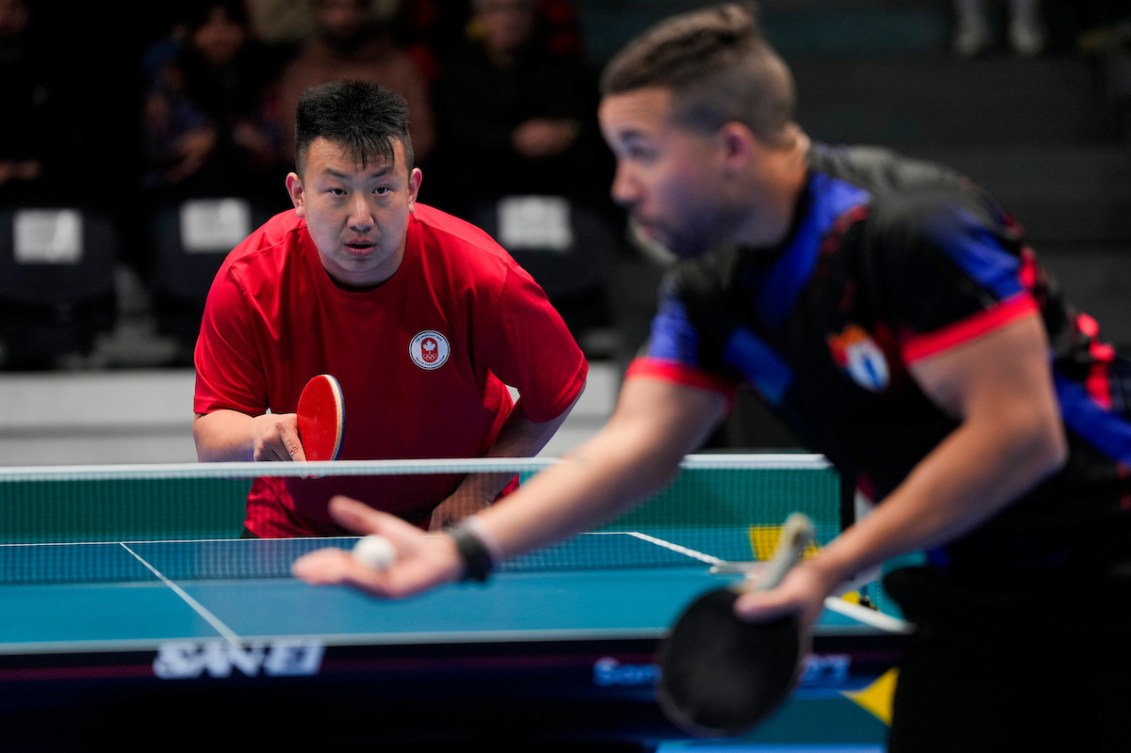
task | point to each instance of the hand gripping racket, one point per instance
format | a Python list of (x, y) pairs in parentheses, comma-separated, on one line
[(321, 418), (720, 675)]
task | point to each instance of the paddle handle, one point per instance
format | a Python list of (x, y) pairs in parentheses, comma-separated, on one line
[(797, 534)]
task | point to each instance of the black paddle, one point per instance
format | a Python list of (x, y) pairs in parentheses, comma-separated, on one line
[(720, 675)]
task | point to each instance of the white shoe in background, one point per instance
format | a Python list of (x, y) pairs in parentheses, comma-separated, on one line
[(972, 38), (1026, 30)]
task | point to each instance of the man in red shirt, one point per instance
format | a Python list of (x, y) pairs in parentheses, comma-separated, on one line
[(350, 283)]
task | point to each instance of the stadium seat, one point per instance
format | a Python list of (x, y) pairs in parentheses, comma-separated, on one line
[(57, 291), (189, 239), (566, 246)]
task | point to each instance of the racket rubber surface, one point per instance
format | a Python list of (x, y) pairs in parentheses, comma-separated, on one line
[(321, 418), (719, 674)]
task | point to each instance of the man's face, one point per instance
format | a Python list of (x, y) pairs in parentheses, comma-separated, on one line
[(342, 21), (358, 216), (220, 38), (508, 25), (667, 177)]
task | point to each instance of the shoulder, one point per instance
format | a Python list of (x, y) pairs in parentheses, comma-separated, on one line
[(908, 198), (882, 171), (446, 231), (268, 248)]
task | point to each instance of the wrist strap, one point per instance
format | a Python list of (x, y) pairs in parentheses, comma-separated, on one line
[(477, 560)]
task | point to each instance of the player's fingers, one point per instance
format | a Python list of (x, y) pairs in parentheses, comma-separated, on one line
[(322, 566), (441, 518), (759, 606), (332, 566), (288, 433)]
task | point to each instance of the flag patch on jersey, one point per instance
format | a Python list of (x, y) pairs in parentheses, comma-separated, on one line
[(860, 357)]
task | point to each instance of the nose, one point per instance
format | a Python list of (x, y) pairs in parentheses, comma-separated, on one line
[(360, 219), (624, 189)]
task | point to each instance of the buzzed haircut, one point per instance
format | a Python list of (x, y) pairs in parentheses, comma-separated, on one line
[(365, 119), (717, 63)]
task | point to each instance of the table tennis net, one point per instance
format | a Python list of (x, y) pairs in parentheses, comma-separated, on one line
[(183, 521)]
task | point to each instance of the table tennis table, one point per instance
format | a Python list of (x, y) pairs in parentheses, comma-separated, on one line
[(111, 644)]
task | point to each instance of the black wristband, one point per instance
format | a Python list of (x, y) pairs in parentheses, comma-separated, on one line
[(477, 561)]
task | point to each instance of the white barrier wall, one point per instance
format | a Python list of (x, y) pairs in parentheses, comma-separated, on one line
[(145, 416)]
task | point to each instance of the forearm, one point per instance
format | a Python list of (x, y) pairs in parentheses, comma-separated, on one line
[(587, 487), (519, 437), (634, 455), (224, 435), (1010, 437), (970, 477)]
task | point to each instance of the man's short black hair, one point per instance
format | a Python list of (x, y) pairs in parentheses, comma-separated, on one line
[(364, 118)]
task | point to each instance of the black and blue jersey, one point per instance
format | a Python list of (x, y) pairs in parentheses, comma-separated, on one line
[(890, 260)]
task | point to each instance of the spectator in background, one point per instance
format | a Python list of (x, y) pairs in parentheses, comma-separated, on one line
[(1102, 26), (520, 155), (208, 126), (507, 100), (288, 23), (974, 29), (430, 30), (41, 131), (351, 41)]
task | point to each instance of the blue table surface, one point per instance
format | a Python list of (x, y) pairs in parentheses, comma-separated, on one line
[(158, 603), (145, 617)]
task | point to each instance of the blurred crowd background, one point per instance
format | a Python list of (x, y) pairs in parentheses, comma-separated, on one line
[(139, 143)]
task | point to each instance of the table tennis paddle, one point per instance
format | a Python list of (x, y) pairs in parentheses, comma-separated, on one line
[(719, 674), (321, 418)]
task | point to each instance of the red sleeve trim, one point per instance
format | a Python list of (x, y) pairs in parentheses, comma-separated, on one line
[(1010, 310), (678, 373)]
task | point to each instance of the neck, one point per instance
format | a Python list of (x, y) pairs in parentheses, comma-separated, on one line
[(777, 186)]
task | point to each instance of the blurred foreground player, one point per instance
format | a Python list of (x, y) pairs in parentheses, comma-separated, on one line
[(895, 318)]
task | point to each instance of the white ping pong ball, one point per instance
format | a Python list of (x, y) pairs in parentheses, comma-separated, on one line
[(375, 551)]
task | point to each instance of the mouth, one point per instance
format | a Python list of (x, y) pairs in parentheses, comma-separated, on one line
[(360, 248), (643, 228)]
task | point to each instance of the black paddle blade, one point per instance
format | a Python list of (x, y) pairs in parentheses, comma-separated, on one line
[(720, 675)]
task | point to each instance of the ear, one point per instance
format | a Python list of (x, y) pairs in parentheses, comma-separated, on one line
[(415, 178), (739, 145), (295, 191)]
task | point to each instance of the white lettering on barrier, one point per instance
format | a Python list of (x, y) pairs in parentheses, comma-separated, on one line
[(825, 670), (817, 671), (183, 660), (607, 672)]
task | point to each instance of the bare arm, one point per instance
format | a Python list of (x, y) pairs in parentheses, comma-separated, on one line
[(518, 437), (228, 435), (1010, 438), (637, 452)]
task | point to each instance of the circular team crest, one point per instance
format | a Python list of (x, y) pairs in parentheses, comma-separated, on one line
[(429, 349)]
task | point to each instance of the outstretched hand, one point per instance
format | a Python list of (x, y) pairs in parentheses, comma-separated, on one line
[(423, 560)]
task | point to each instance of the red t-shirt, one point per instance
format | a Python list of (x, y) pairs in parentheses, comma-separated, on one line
[(423, 360)]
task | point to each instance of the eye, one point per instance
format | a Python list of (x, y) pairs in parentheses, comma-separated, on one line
[(336, 191), (383, 190), (638, 153)]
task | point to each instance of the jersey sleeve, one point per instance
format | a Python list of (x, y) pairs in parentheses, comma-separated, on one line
[(228, 374), (947, 271), (531, 349), (679, 351)]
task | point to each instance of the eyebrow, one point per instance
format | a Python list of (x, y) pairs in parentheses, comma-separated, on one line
[(377, 172), (633, 137)]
